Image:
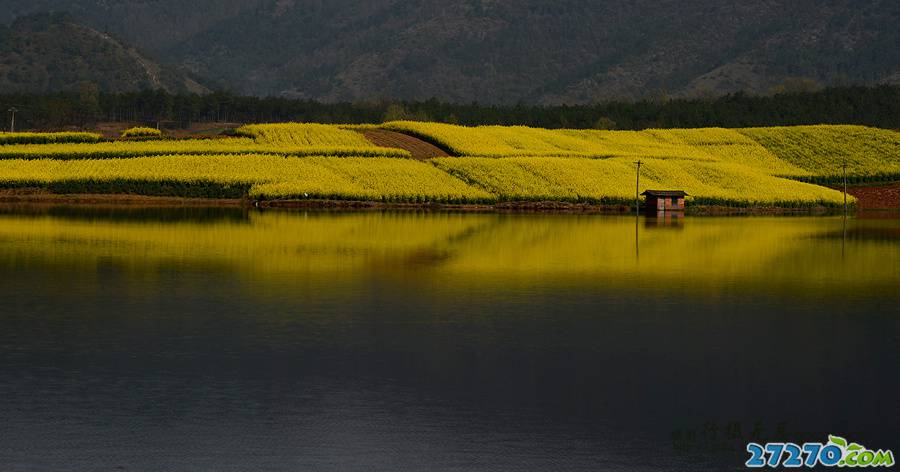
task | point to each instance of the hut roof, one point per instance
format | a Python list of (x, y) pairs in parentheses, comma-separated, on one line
[(664, 193)]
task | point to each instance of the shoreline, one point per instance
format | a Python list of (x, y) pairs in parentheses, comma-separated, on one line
[(539, 207), (40, 197)]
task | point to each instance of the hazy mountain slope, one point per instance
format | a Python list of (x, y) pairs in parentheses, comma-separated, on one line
[(830, 42), (151, 25), (50, 52), (561, 51)]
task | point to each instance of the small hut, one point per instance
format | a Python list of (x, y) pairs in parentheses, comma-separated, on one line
[(665, 200)]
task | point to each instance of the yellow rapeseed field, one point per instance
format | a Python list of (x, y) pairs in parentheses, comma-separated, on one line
[(262, 176), (141, 132), (706, 144), (43, 138), (871, 154), (499, 141), (401, 180), (813, 153), (123, 149), (714, 165), (612, 180), (305, 134)]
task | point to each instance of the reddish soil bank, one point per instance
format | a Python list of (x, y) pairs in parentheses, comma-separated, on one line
[(418, 148), (42, 197), (716, 210), (877, 197), (508, 207), (533, 207)]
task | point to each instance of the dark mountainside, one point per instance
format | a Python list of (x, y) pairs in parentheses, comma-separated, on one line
[(505, 51), (44, 53)]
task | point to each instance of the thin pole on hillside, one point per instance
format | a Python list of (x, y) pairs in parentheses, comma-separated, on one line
[(844, 167), (637, 189), (12, 120)]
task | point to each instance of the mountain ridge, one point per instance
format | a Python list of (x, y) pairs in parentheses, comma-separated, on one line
[(507, 51), (50, 52)]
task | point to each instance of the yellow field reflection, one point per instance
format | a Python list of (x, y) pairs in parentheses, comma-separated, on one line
[(802, 256)]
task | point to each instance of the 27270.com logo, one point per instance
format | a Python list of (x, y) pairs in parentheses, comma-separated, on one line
[(837, 452)]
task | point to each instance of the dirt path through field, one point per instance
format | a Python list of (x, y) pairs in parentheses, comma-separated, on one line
[(418, 148)]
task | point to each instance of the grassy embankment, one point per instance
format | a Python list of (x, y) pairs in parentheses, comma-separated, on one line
[(749, 167)]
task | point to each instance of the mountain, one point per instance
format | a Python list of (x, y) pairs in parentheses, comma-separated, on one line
[(51, 52), (506, 51)]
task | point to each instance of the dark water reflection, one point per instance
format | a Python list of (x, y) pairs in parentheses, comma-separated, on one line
[(234, 340)]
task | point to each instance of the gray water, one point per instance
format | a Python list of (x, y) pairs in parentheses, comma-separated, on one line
[(185, 339)]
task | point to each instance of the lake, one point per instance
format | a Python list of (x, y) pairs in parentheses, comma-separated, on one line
[(229, 339)]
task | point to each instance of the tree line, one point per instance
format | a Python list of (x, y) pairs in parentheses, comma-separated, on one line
[(82, 108)]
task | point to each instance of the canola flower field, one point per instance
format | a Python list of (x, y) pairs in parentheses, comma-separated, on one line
[(304, 134), (870, 154), (776, 166), (811, 153), (601, 181), (233, 146), (141, 132), (259, 176), (45, 138), (521, 141)]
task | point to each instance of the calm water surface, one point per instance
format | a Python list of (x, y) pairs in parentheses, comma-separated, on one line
[(233, 340)]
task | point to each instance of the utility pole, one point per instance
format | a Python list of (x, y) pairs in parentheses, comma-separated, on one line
[(637, 189), (845, 187), (12, 120)]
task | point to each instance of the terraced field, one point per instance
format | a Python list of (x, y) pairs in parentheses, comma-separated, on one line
[(203, 147), (870, 154), (304, 134), (811, 153), (259, 176), (521, 141), (607, 181), (746, 167), (46, 138)]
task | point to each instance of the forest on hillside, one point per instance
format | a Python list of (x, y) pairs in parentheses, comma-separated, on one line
[(873, 106)]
